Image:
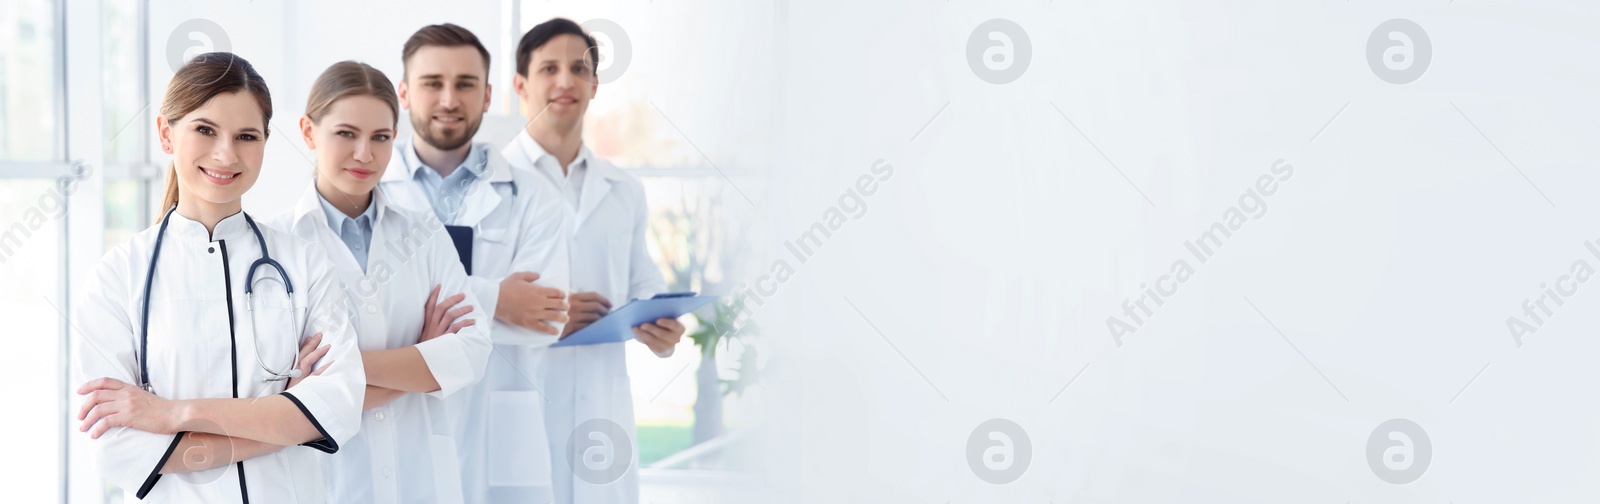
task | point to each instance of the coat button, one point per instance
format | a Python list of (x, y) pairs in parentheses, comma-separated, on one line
[(211, 250)]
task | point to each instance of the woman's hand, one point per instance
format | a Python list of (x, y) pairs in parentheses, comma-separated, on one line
[(310, 353), (113, 403), (439, 319)]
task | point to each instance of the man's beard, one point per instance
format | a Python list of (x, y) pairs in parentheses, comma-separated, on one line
[(423, 131)]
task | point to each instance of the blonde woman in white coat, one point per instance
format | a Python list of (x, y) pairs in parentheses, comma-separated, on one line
[(190, 334), (413, 308)]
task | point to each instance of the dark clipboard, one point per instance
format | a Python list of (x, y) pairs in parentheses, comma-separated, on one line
[(618, 325), (461, 236)]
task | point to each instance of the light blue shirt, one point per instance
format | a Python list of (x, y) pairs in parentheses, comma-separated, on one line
[(355, 233), (445, 194)]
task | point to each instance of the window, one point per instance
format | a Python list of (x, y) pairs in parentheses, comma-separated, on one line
[(29, 112), (30, 263), (128, 117), (31, 241)]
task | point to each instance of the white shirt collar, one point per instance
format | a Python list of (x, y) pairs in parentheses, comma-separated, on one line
[(546, 163)]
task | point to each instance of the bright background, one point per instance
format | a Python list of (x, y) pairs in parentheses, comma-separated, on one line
[(977, 281), (82, 80)]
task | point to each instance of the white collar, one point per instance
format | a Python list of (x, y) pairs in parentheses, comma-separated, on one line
[(190, 230), (586, 160)]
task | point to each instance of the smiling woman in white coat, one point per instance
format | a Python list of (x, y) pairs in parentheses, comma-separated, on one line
[(419, 346), (189, 333)]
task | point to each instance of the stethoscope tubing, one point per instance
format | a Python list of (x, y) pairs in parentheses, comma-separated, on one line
[(249, 291)]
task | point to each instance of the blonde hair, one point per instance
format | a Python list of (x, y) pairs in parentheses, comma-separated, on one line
[(349, 78)]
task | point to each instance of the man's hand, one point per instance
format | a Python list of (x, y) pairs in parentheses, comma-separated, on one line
[(527, 305), (587, 307), (661, 337)]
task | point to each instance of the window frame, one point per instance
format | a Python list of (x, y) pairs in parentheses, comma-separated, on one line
[(57, 165)]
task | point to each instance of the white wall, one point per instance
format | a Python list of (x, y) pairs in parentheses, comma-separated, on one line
[(992, 259), (291, 43)]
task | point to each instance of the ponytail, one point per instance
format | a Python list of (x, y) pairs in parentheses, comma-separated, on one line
[(169, 197)]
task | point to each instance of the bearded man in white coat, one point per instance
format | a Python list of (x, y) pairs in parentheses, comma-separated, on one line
[(509, 231)]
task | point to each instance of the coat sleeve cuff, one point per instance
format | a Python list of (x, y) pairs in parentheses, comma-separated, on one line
[(326, 444), (447, 360), (155, 473), (488, 292)]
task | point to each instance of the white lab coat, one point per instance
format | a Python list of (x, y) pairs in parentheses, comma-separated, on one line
[(202, 345), (406, 449), (517, 226), (608, 255)]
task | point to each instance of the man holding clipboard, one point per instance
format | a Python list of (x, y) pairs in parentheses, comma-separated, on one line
[(614, 327), (587, 384)]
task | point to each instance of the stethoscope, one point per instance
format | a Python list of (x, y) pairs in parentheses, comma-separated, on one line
[(249, 289)]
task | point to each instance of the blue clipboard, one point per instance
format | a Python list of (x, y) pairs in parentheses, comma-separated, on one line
[(618, 325)]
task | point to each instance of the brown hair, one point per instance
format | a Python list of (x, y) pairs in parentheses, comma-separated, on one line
[(350, 78), (443, 35), (542, 33), (195, 84)]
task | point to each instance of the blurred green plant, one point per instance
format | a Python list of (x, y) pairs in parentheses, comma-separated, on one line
[(699, 246), (723, 328)]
